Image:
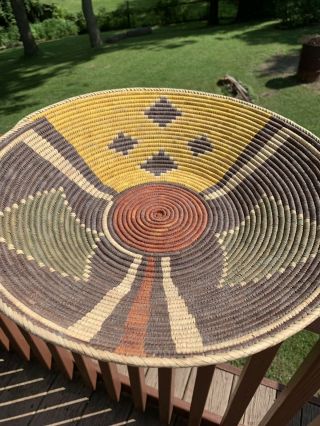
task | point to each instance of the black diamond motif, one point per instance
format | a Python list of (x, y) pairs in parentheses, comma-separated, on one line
[(159, 164), (163, 112), (200, 145), (123, 143)]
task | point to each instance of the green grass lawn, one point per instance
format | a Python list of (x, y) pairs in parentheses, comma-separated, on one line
[(184, 56), (74, 6)]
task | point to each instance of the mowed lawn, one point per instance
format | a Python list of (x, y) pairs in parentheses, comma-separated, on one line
[(74, 6), (186, 56)]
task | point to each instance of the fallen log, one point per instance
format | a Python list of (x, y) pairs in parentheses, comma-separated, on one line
[(234, 88)]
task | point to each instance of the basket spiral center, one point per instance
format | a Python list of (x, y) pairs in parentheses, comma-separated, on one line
[(159, 218)]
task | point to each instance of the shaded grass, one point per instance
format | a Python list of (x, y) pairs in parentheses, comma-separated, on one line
[(186, 56), (74, 6)]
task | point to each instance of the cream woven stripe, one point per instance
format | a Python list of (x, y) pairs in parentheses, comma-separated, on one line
[(273, 144), (184, 331), (43, 148), (89, 325), (109, 237), (190, 361)]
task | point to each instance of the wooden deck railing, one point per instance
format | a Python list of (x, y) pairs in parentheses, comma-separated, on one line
[(303, 385)]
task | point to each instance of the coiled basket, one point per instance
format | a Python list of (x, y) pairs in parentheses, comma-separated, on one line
[(159, 227)]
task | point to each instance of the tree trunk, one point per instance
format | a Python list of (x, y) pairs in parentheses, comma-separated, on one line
[(93, 29), (20, 14), (249, 10), (213, 12)]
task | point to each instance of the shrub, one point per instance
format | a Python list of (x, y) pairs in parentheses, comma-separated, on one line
[(294, 13), (54, 28), (37, 11), (6, 15), (9, 37), (163, 12)]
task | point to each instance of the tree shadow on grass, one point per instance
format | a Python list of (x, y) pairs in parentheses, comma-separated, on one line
[(20, 76), (280, 64), (271, 32), (279, 83)]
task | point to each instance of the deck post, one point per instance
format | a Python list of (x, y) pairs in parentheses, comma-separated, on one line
[(138, 391), (200, 394), (301, 387), (111, 379), (16, 338), (63, 359), (166, 393), (249, 381), (39, 349), (87, 370), (4, 340)]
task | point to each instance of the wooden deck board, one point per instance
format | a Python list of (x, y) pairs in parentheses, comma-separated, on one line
[(21, 392), (309, 413), (219, 392), (181, 380), (148, 418), (259, 405), (31, 395), (70, 401), (296, 421), (100, 410)]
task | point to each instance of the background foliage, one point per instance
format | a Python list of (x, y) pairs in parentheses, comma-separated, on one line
[(59, 19)]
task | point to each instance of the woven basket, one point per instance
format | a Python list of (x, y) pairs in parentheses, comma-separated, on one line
[(159, 227)]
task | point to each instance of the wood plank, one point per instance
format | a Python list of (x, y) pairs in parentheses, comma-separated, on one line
[(310, 412), (296, 421), (149, 418), (69, 401), (87, 370), (301, 387), (39, 349), (181, 379), (219, 392), (111, 379), (102, 411), (262, 400), (316, 422), (187, 396), (122, 369), (249, 381), (200, 393), (151, 377), (17, 341), (24, 393), (166, 385), (63, 359), (138, 391)]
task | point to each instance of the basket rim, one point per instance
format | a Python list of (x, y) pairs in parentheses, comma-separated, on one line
[(79, 346)]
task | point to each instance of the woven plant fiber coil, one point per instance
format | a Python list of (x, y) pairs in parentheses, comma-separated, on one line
[(159, 227)]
